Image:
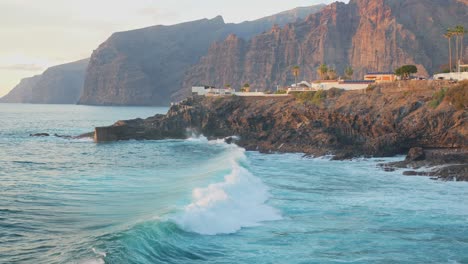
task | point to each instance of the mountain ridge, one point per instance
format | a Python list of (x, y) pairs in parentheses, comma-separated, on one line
[(145, 66), (377, 35)]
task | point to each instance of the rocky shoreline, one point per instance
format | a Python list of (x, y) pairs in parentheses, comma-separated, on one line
[(379, 122), (440, 164)]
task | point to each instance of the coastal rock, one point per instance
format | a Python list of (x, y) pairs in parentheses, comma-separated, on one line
[(383, 122), (440, 163), (39, 135), (416, 154)]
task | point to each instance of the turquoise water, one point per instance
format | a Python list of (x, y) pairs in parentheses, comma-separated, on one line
[(199, 201)]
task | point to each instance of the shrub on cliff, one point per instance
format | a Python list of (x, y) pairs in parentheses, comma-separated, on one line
[(371, 88), (437, 98), (317, 97), (334, 92), (281, 92), (304, 96), (458, 95)]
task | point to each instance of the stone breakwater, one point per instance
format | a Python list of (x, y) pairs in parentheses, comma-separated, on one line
[(380, 122)]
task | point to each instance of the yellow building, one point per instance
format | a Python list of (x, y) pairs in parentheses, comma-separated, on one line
[(380, 77)]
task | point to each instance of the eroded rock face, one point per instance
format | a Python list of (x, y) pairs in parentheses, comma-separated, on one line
[(416, 154), (369, 35), (146, 66), (60, 84)]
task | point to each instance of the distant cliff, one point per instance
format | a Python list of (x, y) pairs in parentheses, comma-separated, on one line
[(369, 35), (60, 84), (146, 66)]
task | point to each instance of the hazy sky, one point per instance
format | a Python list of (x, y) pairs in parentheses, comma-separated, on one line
[(35, 35)]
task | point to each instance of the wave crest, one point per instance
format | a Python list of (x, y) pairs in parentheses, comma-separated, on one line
[(226, 207)]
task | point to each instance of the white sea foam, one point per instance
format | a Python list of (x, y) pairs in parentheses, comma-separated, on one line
[(98, 260), (92, 261), (100, 253), (225, 207)]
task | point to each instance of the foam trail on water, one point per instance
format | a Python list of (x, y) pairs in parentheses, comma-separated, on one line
[(225, 207)]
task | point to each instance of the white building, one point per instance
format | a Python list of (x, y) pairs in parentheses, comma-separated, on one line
[(327, 85), (211, 91), (459, 76)]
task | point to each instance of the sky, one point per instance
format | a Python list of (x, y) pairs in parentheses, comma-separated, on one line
[(35, 35)]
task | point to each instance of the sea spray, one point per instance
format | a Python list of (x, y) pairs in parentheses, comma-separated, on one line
[(226, 207)]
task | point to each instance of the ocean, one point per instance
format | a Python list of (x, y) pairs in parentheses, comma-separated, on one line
[(200, 201)]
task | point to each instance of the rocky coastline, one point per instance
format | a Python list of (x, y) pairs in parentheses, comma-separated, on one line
[(382, 121)]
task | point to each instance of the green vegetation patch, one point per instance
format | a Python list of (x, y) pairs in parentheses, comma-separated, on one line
[(458, 95), (437, 98), (371, 87), (317, 97), (281, 92)]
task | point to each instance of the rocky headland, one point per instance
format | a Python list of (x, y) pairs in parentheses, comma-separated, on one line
[(381, 121), (61, 84)]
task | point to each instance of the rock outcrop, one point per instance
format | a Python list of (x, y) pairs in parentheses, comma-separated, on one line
[(445, 164), (60, 84), (369, 35), (382, 122), (146, 66)]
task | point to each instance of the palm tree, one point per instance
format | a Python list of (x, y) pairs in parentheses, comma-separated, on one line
[(332, 74), (246, 88), (455, 32), (448, 36), (349, 71), (322, 70), (296, 71), (461, 32)]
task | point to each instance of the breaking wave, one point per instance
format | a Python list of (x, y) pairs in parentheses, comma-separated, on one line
[(226, 207)]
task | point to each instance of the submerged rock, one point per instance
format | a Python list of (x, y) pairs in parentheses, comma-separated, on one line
[(39, 135)]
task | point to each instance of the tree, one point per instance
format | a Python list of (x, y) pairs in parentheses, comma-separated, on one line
[(448, 36), (460, 32), (322, 70), (455, 32), (349, 72), (405, 71), (332, 74), (296, 70), (246, 88)]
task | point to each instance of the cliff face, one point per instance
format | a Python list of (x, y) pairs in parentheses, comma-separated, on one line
[(382, 122), (23, 92), (145, 66), (60, 84), (369, 35)]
